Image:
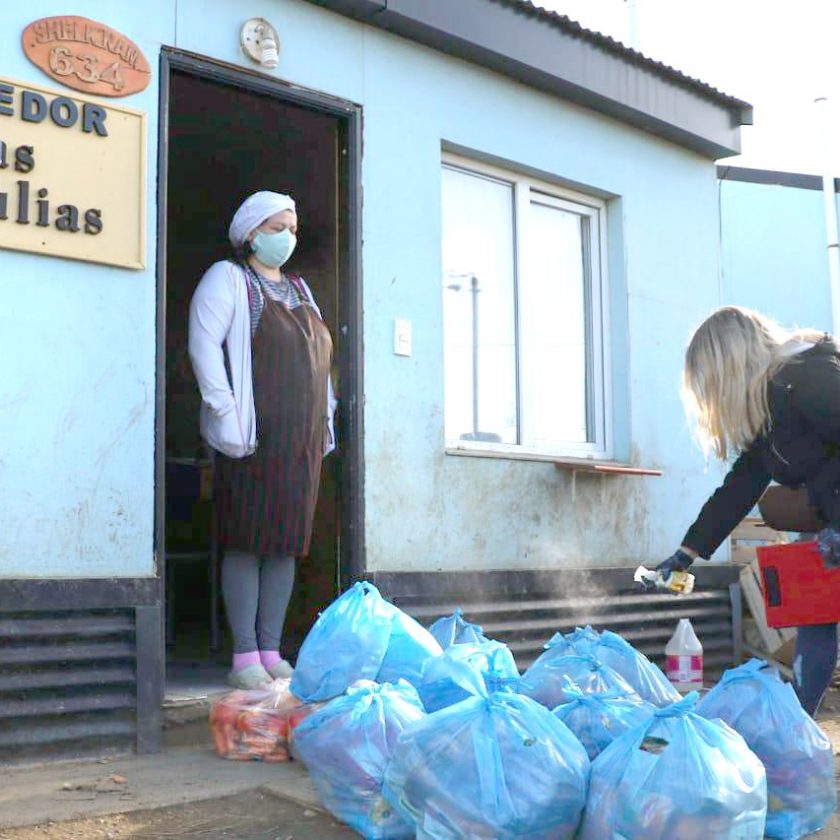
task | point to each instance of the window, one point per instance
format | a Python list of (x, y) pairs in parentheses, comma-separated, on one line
[(524, 315)]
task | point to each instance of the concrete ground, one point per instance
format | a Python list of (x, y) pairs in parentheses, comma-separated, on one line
[(251, 815), (270, 801), (53, 794)]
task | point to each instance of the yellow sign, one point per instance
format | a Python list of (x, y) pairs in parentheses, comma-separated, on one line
[(72, 176)]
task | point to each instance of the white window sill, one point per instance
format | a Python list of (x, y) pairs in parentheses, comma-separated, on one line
[(595, 466)]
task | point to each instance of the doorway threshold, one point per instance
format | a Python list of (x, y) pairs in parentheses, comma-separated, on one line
[(194, 683)]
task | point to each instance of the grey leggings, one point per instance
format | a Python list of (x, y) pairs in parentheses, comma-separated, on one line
[(256, 592)]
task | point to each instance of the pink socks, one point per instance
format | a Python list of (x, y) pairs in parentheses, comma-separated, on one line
[(269, 658), (243, 660)]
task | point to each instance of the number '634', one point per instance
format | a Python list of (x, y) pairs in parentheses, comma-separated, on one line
[(64, 63)]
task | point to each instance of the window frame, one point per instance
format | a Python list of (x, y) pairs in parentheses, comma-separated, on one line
[(526, 191)]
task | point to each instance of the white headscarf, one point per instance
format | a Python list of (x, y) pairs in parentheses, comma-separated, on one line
[(254, 211)]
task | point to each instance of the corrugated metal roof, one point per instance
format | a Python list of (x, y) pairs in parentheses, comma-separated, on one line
[(553, 53), (610, 44)]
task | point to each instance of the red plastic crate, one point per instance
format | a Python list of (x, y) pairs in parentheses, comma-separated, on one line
[(797, 587)]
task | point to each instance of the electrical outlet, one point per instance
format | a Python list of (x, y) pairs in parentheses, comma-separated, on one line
[(402, 337)]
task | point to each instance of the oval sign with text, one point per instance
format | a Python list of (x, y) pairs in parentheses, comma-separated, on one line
[(86, 56)]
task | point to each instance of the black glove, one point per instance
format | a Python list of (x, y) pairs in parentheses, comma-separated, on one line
[(828, 543), (679, 561)]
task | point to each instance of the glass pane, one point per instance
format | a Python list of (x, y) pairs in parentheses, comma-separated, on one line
[(554, 298), (478, 308)]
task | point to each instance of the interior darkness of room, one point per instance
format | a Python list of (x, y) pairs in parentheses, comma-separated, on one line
[(225, 143)]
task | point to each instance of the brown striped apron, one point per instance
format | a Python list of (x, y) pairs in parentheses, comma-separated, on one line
[(265, 503)]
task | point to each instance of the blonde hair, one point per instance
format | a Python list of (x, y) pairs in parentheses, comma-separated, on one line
[(729, 363)]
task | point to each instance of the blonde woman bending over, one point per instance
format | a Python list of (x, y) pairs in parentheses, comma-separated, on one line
[(771, 397)]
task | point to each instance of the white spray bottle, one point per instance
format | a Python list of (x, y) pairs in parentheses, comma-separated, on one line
[(684, 659)]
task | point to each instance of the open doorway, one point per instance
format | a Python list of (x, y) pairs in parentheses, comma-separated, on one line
[(228, 135)]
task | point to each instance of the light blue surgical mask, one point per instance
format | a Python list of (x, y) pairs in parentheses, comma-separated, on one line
[(273, 249)]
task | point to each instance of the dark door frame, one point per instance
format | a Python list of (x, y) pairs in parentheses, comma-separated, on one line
[(351, 544)]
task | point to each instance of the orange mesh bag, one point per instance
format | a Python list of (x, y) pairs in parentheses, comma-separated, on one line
[(256, 725)]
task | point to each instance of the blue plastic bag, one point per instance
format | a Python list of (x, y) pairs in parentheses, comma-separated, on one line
[(493, 767), (676, 777), (598, 719), (346, 746), (610, 649), (557, 670), (409, 646), (643, 675), (491, 662), (347, 643), (579, 640), (455, 630), (798, 757)]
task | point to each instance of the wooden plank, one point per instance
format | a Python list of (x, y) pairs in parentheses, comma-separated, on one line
[(786, 652), (750, 533), (772, 638), (760, 654), (758, 533), (751, 588), (742, 555), (615, 469), (754, 530), (602, 468), (735, 597)]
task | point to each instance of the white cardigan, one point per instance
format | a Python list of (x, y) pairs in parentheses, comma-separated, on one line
[(219, 313)]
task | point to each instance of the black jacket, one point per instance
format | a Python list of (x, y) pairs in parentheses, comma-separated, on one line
[(801, 448)]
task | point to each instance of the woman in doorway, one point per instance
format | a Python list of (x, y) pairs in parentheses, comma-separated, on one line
[(261, 354), (771, 397)]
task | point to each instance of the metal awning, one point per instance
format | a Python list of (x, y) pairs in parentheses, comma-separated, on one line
[(552, 53)]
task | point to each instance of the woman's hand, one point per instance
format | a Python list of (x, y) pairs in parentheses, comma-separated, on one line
[(679, 561)]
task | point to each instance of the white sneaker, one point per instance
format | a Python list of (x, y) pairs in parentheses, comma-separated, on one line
[(281, 670), (250, 677)]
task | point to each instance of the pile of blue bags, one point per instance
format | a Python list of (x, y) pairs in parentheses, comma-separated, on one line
[(434, 734)]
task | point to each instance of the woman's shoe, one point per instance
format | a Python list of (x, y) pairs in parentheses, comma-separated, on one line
[(281, 670), (250, 677)]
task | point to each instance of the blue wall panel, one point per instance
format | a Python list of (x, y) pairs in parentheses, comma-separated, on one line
[(76, 471)]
